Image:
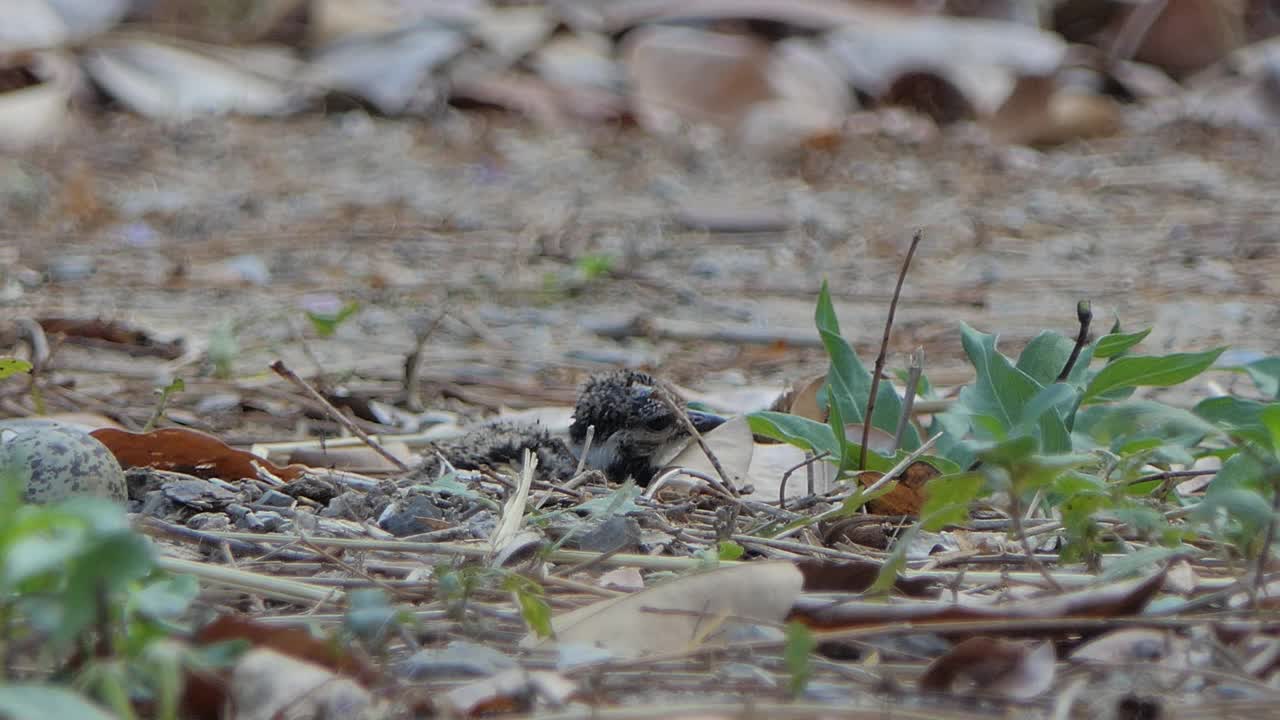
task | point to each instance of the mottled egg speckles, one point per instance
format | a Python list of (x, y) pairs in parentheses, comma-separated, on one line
[(55, 464)]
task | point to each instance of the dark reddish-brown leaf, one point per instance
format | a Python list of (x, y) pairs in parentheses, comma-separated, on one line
[(187, 451), (993, 666)]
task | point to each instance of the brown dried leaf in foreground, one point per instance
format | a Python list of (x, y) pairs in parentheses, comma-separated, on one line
[(114, 335), (1118, 599), (206, 692), (683, 613), (187, 451), (512, 690), (994, 666), (855, 576), (907, 495)]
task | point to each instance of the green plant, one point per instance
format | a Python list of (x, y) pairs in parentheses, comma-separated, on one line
[(1056, 431), (81, 602)]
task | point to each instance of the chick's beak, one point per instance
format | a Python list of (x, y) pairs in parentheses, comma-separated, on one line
[(705, 421)]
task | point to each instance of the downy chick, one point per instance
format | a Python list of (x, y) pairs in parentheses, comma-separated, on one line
[(635, 433)]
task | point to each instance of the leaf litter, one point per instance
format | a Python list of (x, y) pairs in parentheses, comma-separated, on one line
[(964, 583)]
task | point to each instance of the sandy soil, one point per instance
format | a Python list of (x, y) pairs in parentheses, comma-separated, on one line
[(180, 229)]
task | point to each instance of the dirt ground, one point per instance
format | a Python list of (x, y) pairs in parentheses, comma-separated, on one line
[(180, 229)]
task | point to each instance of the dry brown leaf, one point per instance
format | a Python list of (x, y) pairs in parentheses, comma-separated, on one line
[(907, 495), (358, 459), (805, 400), (1038, 112), (769, 464), (1147, 646), (35, 99), (981, 58), (187, 451), (1186, 36), (855, 576), (1117, 599), (679, 74), (205, 693), (807, 14), (683, 613), (175, 80), (994, 666), (333, 20), (393, 71), (508, 691), (732, 443), (112, 334), (34, 24), (513, 32)]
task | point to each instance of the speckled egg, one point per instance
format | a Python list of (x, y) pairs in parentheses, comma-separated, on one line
[(55, 463)]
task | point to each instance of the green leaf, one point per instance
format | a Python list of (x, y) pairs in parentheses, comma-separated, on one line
[(1045, 356), (798, 655), (167, 598), (1270, 418), (849, 381), (325, 324), (33, 701), (1117, 343), (794, 430), (1150, 371), (1140, 562), (1001, 390), (13, 366), (1117, 425), (1265, 374), (729, 550), (947, 500), (535, 611)]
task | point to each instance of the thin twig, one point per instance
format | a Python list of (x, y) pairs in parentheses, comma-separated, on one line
[(667, 396), (914, 370), (806, 463), (1084, 313), (413, 363), (283, 371), (1264, 553), (884, 349)]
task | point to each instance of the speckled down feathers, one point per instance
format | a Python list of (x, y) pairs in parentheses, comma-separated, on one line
[(55, 464), (504, 443)]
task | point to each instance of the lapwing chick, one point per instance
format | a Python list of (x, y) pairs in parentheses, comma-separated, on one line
[(636, 434)]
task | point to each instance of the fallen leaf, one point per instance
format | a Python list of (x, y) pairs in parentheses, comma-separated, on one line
[(855, 576), (770, 463), (393, 71), (113, 335), (731, 442), (334, 20), (266, 685), (907, 495), (513, 32), (994, 666), (1116, 599), (35, 99), (1185, 35), (513, 690), (187, 451), (36, 24), (1145, 646), (1038, 112), (682, 613), (805, 401), (801, 14), (358, 459), (175, 80), (679, 75)]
